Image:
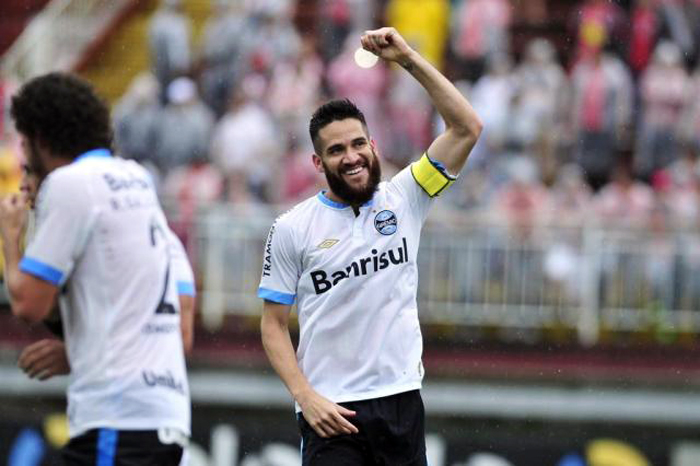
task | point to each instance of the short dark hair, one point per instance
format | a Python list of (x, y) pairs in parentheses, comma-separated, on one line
[(63, 112), (335, 110)]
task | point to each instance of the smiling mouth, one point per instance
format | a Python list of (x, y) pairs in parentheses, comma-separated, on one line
[(354, 171)]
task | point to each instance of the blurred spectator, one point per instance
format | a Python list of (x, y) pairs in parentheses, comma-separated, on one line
[(491, 97), (273, 37), (596, 23), (335, 23), (660, 263), (689, 130), (624, 203), (677, 25), (184, 128), (539, 110), (337, 18), (602, 100), (246, 144), (643, 33), (663, 88), (480, 31), (295, 88), (169, 39), (301, 179), (524, 201), (410, 112), (531, 12), (424, 24), (522, 205), (10, 170), (570, 198), (364, 86), (692, 12), (222, 52), (684, 189), (136, 119), (187, 189)]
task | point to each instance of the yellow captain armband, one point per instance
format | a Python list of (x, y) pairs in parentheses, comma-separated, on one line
[(431, 175)]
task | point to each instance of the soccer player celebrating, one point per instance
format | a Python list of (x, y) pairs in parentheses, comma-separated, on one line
[(348, 258), (47, 357), (101, 249)]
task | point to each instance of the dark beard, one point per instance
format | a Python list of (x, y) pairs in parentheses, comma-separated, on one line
[(354, 197)]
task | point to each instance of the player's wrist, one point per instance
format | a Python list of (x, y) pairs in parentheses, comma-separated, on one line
[(408, 60), (303, 395)]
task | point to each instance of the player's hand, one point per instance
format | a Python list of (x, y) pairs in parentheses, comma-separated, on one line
[(388, 44), (13, 216), (325, 417), (44, 359)]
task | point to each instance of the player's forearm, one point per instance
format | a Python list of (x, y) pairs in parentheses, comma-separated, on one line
[(187, 322), (280, 352), (11, 252), (454, 108)]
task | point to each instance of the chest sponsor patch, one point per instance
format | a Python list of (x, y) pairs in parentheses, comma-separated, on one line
[(386, 223)]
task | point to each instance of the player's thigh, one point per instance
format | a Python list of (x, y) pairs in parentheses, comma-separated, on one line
[(115, 448), (341, 450), (397, 429)]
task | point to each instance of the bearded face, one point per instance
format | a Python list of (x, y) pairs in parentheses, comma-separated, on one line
[(349, 161), (355, 194)]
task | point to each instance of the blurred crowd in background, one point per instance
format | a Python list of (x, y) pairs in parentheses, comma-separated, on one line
[(602, 125)]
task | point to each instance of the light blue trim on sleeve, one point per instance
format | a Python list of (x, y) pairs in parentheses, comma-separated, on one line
[(276, 296), (186, 288), (440, 166), (41, 270)]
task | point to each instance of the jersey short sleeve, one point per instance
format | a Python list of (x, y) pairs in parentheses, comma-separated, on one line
[(181, 267), (281, 267), (65, 216)]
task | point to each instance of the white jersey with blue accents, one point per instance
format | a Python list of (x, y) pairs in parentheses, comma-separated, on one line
[(354, 279), (103, 240)]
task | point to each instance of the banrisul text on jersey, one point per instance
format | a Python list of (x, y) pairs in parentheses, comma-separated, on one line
[(360, 267)]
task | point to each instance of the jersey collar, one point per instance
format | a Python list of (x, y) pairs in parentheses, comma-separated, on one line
[(93, 153), (337, 205)]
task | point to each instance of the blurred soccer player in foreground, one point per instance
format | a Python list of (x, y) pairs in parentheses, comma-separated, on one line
[(100, 249), (348, 258), (47, 357)]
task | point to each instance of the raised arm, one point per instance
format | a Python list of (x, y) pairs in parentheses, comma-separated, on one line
[(31, 298), (463, 125), (325, 417)]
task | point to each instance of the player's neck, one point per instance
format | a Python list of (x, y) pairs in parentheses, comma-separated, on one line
[(335, 198), (52, 163)]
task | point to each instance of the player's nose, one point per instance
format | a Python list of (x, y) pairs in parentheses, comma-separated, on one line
[(353, 157)]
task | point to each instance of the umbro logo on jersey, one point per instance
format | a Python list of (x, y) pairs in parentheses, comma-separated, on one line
[(360, 267), (328, 243), (386, 223)]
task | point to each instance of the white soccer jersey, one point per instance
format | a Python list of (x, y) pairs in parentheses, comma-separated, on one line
[(103, 239), (354, 279)]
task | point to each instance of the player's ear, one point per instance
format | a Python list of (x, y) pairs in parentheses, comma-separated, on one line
[(373, 145), (318, 163)]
